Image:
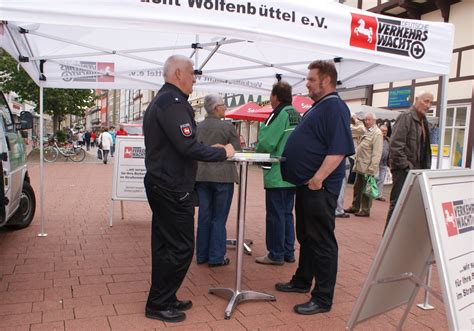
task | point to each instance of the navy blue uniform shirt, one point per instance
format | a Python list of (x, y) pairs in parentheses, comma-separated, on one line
[(324, 130), (171, 147)]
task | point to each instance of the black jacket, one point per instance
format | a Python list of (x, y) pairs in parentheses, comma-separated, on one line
[(171, 148)]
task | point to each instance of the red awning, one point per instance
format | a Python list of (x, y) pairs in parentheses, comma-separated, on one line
[(247, 112)]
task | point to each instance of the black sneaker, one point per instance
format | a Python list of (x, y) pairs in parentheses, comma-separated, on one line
[(182, 304), (171, 315), (223, 263), (290, 287)]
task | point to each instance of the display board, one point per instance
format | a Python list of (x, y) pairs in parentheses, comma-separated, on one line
[(129, 169), (432, 205), (450, 217)]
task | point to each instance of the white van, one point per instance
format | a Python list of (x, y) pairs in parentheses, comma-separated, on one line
[(17, 198)]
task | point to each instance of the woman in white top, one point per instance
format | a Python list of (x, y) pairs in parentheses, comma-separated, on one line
[(105, 142)]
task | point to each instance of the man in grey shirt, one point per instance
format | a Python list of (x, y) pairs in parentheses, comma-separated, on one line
[(214, 185)]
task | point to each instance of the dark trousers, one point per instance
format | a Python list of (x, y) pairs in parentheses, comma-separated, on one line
[(352, 174), (280, 226), (172, 242), (398, 179), (360, 201), (315, 224), (105, 153), (214, 205)]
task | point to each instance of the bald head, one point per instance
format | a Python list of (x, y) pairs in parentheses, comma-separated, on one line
[(423, 101), (178, 70)]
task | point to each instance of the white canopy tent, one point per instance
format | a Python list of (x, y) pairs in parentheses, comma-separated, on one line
[(238, 46)]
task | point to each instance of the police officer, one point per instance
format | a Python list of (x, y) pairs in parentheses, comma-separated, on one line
[(172, 152)]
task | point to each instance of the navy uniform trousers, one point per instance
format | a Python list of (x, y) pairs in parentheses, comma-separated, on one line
[(172, 242)]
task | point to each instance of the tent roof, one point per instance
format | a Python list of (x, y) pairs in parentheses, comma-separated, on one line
[(240, 46)]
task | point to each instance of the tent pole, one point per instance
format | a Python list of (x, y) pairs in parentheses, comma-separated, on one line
[(41, 101), (442, 120)]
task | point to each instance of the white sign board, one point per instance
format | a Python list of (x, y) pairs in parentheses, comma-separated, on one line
[(433, 216), (451, 203), (129, 169)]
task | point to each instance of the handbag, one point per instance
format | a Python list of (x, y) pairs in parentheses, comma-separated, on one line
[(99, 154), (371, 189)]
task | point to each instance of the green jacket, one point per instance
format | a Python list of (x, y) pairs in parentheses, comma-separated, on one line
[(272, 138)]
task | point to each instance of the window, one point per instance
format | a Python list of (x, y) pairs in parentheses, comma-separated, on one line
[(457, 118), (6, 116)]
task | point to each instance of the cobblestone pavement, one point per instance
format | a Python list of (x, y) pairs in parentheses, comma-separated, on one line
[(87, 276)]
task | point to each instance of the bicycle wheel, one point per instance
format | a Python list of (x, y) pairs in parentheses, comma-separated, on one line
[(79, 154), (50, 154)]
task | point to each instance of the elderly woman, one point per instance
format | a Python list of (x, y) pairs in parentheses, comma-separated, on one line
[(214, 185)]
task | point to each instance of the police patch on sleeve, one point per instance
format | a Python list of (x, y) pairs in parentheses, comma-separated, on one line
[(186, 129)]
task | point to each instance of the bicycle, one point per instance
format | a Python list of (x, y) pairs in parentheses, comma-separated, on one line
[(71, 151)]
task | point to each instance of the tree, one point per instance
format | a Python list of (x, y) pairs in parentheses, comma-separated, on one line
[(56, 102)]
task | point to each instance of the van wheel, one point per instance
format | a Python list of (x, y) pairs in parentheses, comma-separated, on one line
[(26, 211)]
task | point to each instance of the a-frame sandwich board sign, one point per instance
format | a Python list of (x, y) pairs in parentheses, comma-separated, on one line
[(433, 219)]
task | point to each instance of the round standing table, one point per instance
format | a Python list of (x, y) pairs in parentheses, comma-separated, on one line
[(237, 295)]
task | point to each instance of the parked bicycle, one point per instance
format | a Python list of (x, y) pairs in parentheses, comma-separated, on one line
[(70, 150)]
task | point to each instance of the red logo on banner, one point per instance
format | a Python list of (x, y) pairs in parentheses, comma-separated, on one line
[(449, 220), (363, 31), (108, 68), (127, 152)]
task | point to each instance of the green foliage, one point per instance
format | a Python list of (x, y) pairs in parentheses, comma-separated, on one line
[(61, 136), (57, 102)]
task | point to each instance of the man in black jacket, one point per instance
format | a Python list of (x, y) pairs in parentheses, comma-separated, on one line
[(172, 152), (409, 146)]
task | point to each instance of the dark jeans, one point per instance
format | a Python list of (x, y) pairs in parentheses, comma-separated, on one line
[(112, 150), (315, 224), (398, 179), (360, 201), (214, 205), (172, 242), (105, 153), (280, 227), (88, 144)]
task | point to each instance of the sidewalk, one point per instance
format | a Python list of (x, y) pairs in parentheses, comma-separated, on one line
[(87, 276)]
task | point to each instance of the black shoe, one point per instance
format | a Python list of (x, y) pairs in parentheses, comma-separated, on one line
[(362, 214), (171, 315), (350, 210), (290, 259), (344, 215), (310, 308), (182, 304), (290, 287), (223, 263)]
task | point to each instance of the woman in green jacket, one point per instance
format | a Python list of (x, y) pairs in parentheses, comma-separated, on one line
[(279, 195)]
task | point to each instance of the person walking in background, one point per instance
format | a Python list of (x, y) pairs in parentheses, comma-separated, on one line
[(105, 143), (357, 130), (366, 162), (315, 153), (409, 146), (279, 194), (383, 166), (340, 213), (214, 185), (93, 139), (87, 139), (113, 134), (171, 155), (121, 131)]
